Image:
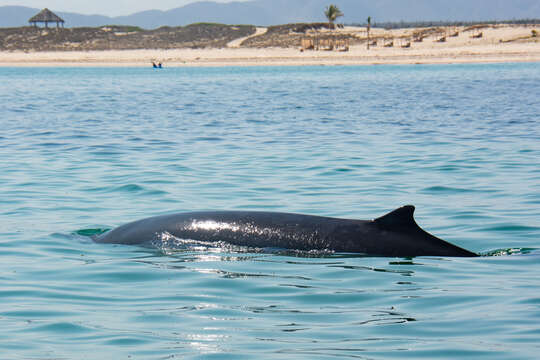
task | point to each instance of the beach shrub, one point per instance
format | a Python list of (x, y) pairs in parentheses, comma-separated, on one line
[(122, 28)]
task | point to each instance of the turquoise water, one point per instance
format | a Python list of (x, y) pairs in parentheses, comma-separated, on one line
[(82, 150)]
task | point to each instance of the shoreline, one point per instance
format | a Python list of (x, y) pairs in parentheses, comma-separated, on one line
[(271, 57), (490, 44)]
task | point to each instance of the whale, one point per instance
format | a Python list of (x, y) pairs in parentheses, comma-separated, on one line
[(395, 234)]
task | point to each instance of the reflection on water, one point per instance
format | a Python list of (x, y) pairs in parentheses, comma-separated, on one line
[(460, 142)]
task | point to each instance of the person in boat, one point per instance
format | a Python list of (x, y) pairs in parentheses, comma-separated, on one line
[(154, 65)]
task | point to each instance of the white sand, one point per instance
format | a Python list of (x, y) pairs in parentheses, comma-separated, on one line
[(237, 42), (460, 49)]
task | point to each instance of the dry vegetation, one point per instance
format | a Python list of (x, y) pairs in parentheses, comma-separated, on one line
[(204, 35), (120, 37), (291, 35)]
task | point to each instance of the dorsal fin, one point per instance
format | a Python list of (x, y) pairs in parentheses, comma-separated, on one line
[(401, 218)]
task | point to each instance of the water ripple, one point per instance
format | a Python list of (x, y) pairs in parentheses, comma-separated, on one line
[(92, 148)]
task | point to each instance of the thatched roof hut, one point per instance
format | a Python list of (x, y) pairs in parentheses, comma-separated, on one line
[(46, 16)]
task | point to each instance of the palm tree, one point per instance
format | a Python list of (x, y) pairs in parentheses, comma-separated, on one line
[(368, 28), (332, 12)]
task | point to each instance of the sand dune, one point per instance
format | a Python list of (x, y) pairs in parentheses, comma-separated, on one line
[(501, 43)]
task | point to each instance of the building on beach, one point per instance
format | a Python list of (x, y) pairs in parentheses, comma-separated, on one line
[(46, 16)]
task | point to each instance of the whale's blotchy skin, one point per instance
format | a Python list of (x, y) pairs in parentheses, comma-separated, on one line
[(395, 234)]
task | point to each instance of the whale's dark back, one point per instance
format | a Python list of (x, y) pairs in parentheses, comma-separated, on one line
[(395, 234)]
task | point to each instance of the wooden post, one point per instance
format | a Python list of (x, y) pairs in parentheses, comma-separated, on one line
[(368, 28)]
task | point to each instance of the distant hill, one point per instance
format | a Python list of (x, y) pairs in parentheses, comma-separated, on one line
[(15, 16), (271, 12)]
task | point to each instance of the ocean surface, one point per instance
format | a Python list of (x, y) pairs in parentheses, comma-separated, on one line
[(83, 150)]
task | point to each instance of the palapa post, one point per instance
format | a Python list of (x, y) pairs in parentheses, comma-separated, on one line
[(46, 16)]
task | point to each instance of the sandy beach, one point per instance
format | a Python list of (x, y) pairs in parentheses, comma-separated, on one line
[(501, 43)]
